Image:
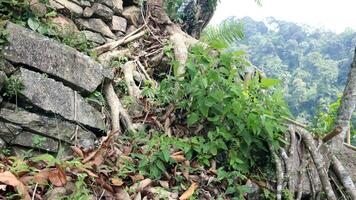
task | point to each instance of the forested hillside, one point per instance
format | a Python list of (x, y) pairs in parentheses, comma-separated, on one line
[(312, 63)]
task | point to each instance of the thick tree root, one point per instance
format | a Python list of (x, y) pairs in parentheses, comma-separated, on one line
[(118, 112), (279, 172), (133, 89), (344, 177), (319, 163)]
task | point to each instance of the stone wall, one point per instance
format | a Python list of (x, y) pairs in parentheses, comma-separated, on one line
[(44, 84)]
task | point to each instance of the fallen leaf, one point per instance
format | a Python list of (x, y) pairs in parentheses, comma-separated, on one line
[(187, 194), (78, 151), (57, 177), (117, 181), (9, 179), (178, 158), (164, 184), (138, 196), (90, 173), (141, 185), (42, 177), (137, 177), (122, 195)]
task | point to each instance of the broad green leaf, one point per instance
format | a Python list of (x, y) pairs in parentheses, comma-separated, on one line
[(269, 82), (33, 23)]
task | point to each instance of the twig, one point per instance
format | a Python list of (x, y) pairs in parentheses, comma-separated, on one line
[(350, 146), (142, 68), (34, 192), (112, 45), (294, 122), (75, 135), (336, 131)]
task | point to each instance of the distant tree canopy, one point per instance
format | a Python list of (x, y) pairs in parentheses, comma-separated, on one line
[(312, 63)]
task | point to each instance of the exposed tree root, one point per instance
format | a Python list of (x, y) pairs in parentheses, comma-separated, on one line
[(344, 177), (118, 112), (107, 57), (133, 89), (114, 104), (319, 163), (279, 172)]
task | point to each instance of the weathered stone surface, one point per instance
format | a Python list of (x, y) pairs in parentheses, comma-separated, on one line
[(27, 139), (94, 37), (2, 79), (8, 132), (6, 66), (132, 14), (96, 25), (118, 6), (85, 3), (51, 127), (47, 55), (71, 7), (88, 12), (54, 97), (118, 24), (55, 5), (103, 11), (108, 3), (2, 144), (63, 25), (38, 8)]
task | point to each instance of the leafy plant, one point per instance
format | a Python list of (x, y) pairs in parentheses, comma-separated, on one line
[(224, 34), (38, 141), (12, 87)]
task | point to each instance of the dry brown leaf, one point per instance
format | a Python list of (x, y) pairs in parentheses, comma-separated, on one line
[(42, 177), (57, 177), (90, 173), (181, 153), (78, 151), (178, 158), (9, 179), (187, 194), (141, 185), (117, 181), (164, 184), (122, 195), (137, 177)]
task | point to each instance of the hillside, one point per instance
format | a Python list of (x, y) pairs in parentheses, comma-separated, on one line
[(313, 63)]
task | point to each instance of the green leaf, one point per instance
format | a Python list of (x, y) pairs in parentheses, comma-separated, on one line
[(33, 23), (160, 165), (192, 118), (269, 82)]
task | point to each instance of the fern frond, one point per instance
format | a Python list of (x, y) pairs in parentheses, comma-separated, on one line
[(224, 34)]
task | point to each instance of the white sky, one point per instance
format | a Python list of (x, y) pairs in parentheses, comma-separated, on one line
[(334, 15)]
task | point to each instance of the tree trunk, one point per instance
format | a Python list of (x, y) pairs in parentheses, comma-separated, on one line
[(346, 109)]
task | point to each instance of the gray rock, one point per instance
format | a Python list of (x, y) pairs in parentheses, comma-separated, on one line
[(2, 79), (73, 8), (88, 12), (55, 5), (85, 3), (103, 11), (118, 6), (54, 97), (51, 127), (8, 132), (94, 37), (27, 139), (6, 67), (47, 55), (2, 144), (108, 3), (96, 25), (37, 8), (62, 25), (132, 14), (118, 24)]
